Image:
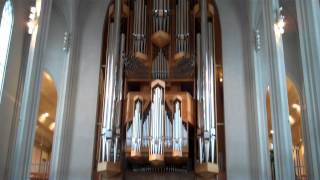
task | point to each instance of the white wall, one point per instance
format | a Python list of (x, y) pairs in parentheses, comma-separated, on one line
[(91, 22), (55, 58), (234, 56)]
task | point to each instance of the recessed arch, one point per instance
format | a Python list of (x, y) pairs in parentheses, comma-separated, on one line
[(45, 128), (295, 119)]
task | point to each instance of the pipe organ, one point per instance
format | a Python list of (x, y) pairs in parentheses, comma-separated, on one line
[(160, 101)]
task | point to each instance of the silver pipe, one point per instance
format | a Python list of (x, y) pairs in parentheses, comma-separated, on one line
[(183, 23), (188, 15), (115, 148), (134, 26), (205, 58), (200, 150), (204, 55), (138, 24)]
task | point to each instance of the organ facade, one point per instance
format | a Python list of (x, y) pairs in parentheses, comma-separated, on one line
[(160, 91)]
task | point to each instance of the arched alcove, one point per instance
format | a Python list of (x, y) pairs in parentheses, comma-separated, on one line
[(295, 120), (45, 128)]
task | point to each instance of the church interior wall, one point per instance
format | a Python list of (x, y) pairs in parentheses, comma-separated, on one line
[(84, 112)]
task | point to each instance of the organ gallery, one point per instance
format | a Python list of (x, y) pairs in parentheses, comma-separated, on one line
[(160, 103)]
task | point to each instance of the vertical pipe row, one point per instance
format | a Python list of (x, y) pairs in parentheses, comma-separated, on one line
[(139, 26), (157, 121), (182, 25), (136, 124), (209, 130), (160, 67), (177, 128), (111, 78), (161, 15)]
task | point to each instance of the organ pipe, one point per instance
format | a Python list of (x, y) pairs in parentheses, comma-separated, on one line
[(177, 130), (136, 128), (111, 78), (209, 131)]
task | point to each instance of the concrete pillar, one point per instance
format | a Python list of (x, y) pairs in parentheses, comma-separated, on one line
[(30, 100), (308, 13), (278, 94)]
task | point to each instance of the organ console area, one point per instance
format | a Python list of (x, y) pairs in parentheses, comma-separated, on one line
[(160, 102)]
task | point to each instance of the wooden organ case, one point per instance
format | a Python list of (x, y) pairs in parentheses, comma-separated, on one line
[(160, 103)]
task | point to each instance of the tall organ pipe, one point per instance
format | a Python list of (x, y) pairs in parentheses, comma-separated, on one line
[(136, 125), (208, 86), (212, 90), (177, 128), (111, 78)]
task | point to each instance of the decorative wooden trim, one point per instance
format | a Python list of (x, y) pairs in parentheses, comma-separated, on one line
[(161, 39), (109, 169), (207, 170)]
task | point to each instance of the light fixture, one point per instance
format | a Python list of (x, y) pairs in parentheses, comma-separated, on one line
[(271, 132), (291, 120), (280, 21), (66, 41), (221, 77), (257, 40), (52, 126), (43, 117), (33, 20), (297, 107)]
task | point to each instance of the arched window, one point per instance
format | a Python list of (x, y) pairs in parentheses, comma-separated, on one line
[(5, 36)]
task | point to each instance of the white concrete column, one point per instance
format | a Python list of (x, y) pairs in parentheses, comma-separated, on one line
[(30, 100), (259, 131), (279, 95), (308, 13)]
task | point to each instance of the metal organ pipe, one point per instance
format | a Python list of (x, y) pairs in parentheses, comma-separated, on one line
[(111, 78), (139, 26), (157, 121), (161, 15), (177, 128), (209, 132), (182, 26), (136, 127)]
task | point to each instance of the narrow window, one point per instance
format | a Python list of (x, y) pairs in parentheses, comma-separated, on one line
[(5, 36)]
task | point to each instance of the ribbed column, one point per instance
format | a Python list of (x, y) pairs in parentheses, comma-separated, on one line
[(30, 99), (308, 13), (279, 96)]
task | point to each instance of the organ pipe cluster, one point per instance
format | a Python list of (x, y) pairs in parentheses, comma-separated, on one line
[(136, 128), (160, 67), (182, 26), (139, 26), (161, 18), (157, 123), (110, 131), (158, 112), (206, 89)]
